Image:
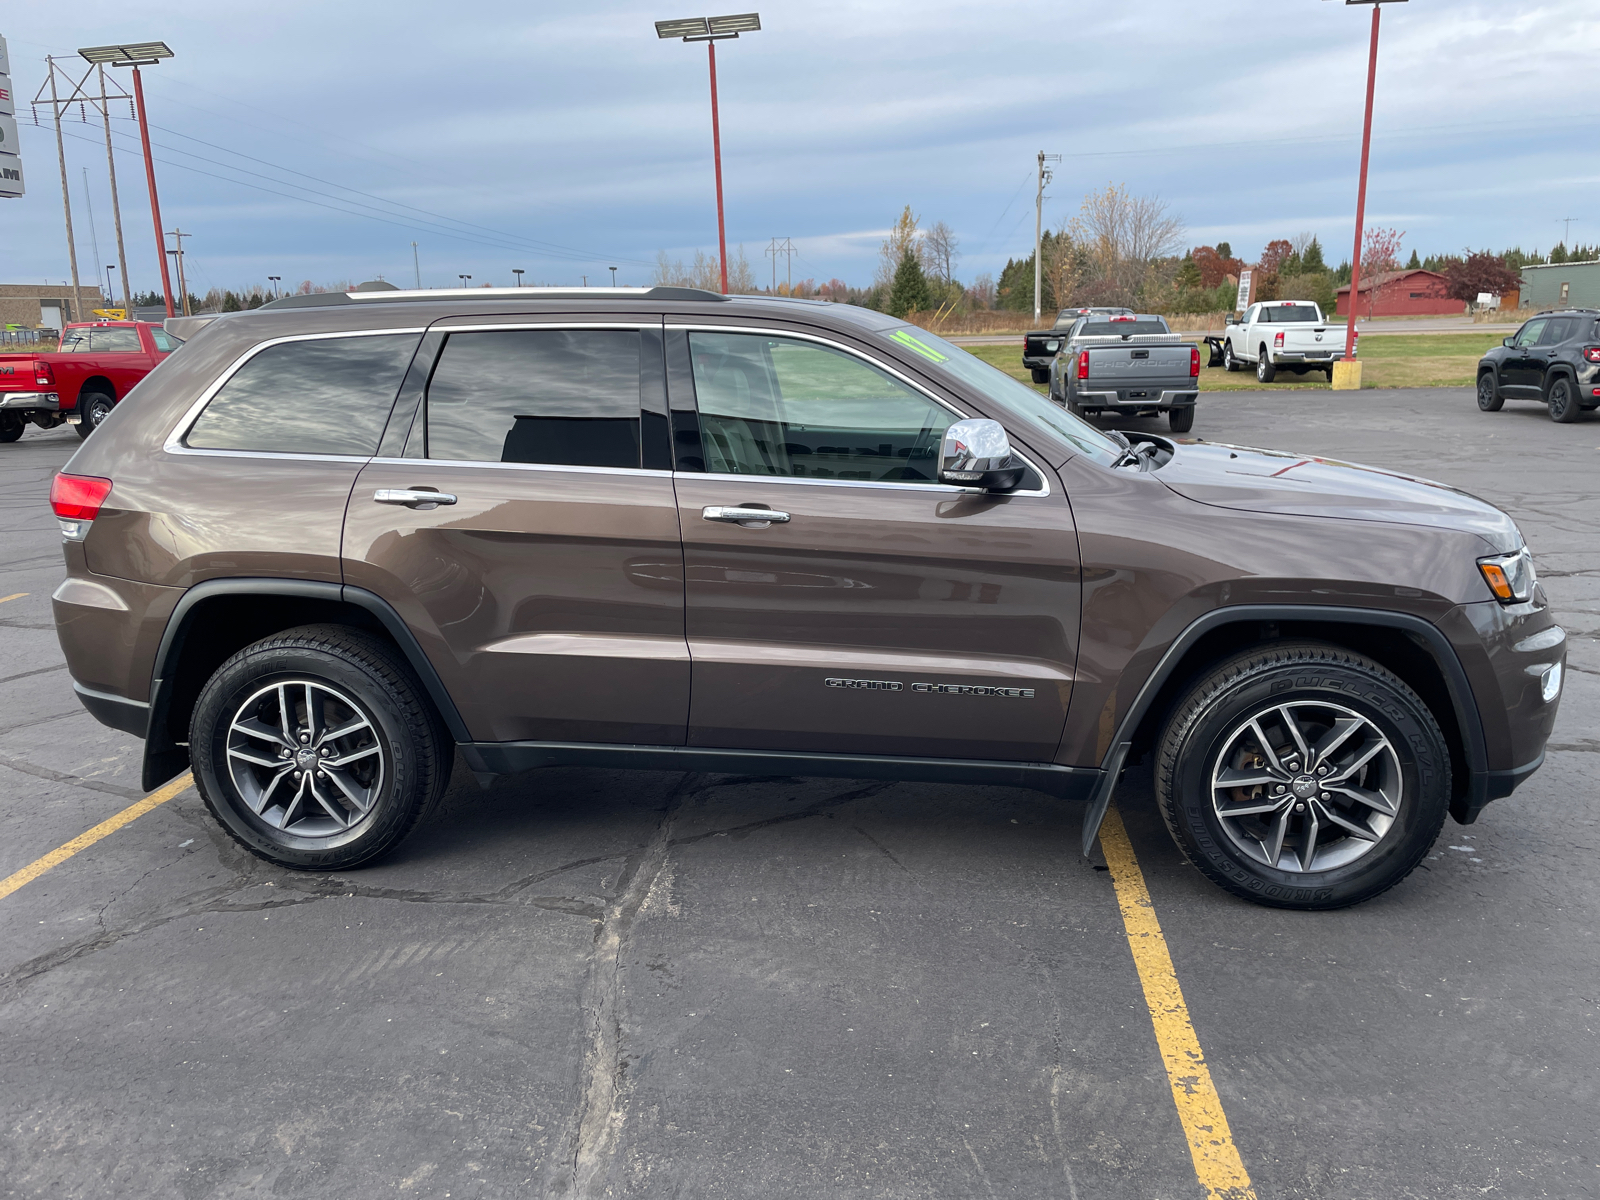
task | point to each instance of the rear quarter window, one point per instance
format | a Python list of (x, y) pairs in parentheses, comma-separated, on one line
[(319, 396)]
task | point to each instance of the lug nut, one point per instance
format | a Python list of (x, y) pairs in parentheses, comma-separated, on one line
[(1299, 808), (1322, 770), (320, 775), (1325, 796), (326, 752), (1280, 789), (305, 737), (283, 753)]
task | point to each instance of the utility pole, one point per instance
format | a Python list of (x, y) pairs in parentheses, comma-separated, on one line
[(1045, 175), (1566, 236), (66, 200), (416, 265), (177, 236), (785, 248)]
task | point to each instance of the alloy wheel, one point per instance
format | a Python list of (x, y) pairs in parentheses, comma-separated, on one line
[(1306, 786), (306, 758)]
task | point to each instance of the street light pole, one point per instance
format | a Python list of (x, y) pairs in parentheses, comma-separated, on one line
[(273, 280), (517, 271), (712, 30), (1350, 378), (614, 278)]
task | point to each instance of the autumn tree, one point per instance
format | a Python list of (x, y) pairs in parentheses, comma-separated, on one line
[(1478, 273), (1380, 258)]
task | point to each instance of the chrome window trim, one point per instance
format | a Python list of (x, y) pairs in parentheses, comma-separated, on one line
[(889, 484), (947, 405), (439, 326), (503, 466), (174, 443)]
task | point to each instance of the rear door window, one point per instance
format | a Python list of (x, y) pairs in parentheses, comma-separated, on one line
[(165, 342), (558, 397), (782, 406), (317, 396), (1557, 331)]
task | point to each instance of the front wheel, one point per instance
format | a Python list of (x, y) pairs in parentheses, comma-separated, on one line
[(1040, 374), (1265, 371), (1563, 402), (93, 409), (1489, 398), (1303, 776), (1229, 363), (1181, 420), (316, 748)]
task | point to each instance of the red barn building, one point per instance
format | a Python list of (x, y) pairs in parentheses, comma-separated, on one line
[(1402, 294)]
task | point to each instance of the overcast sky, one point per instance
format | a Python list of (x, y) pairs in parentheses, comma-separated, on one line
[(564, 138)]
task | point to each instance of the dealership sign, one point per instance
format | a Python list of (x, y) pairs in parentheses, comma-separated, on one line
[(10, 148), (1243, 301)]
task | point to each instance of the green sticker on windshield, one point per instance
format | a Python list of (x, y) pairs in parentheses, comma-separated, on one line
[(922, 348)]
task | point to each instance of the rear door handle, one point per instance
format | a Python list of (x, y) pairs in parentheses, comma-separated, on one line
[(412, 497), (760, 517)]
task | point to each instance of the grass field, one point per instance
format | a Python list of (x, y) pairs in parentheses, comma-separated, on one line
[(1388, 361)]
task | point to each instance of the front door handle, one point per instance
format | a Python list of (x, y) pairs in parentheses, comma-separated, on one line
[(412, 497), (750, 518)]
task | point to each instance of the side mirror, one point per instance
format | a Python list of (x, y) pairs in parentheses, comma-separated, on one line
[(1510, 341), (977, 453), (1231, 320)]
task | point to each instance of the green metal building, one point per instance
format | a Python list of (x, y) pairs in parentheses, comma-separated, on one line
[(1562, 285)]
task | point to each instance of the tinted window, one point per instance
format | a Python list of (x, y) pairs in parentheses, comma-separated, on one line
[(165, 342), (322, 396), (115, 341), (1122, 328), (562, 397), (1558, 330), (780, 406), (1282, 314), (1531, 331)]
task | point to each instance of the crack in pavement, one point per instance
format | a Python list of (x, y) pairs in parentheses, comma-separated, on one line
[(27, 768), (30, 674)]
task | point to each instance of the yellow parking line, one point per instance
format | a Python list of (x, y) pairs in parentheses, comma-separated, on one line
[(84, 840), (1216, 1158), (14, 596)]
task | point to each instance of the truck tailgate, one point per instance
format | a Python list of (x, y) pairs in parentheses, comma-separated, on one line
[(1138, 366)]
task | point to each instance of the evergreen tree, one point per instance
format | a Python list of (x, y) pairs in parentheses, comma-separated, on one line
[(910, 291), (1559, 254), (230, 303), (1311, 260), (1415, 264), (1224, 250), (1188, 274)]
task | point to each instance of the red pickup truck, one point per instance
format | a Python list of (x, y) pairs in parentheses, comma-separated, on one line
[(97, 365)]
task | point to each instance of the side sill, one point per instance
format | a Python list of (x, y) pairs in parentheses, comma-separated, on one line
[(1070, 783), (130, 716)]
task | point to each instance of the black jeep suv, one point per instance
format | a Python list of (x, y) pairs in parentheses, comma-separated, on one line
[(1554, 358)]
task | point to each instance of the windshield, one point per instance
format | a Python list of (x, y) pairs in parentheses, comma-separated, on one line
[(1283, 314), (1122, 328), (1014, 397)]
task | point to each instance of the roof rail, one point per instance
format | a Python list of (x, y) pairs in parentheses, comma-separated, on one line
[(323, 299)]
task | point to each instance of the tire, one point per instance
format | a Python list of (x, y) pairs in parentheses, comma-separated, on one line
[(1181, 420), (1320, 686), (392, 769), (11, 427), (1040, 374), (1328, 371), (1564, 407), (93, 409), (1265, 371), (1229, 362), (1489, 397)]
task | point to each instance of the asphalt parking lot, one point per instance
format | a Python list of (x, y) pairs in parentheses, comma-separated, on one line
[(585, 983)]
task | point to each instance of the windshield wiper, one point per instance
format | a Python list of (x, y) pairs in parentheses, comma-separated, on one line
[(1137, 456)]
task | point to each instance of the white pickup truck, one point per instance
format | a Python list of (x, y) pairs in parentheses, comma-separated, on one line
[(1291, 334)]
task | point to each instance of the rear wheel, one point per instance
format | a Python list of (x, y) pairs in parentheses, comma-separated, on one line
[(1563, 402), (11, 427), (1303, 776), (93, 409), (1181, 420), (1040, 374), (1328, 371), (1489, 398), (316, 749), (1265, 371)]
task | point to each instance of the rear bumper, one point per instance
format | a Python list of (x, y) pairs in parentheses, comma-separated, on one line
[(130, 716), (1134, 400), (31, 401), (1321, 358)]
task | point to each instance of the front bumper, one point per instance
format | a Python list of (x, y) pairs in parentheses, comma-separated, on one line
[(31, 401), (1135, 400)]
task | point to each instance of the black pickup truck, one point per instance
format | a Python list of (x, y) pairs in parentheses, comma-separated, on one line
[(1133, 365), (1040, 348)]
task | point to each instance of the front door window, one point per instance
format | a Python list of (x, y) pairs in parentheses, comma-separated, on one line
[(782, 406)]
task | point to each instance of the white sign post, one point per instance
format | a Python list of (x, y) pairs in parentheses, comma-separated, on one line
[(1243, 301), (10, 148)]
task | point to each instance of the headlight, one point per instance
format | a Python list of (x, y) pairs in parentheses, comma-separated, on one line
[(1509, 576)]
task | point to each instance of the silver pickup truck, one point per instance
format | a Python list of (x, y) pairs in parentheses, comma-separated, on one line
[(1128, 364)]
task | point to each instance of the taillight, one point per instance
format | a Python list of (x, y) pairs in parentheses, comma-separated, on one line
[(1194, 361), (1277, 341), (43, 375), (78, 497), (1083, 365), (1592, 354)]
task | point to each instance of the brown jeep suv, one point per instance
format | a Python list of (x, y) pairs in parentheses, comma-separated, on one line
[(333, 543)]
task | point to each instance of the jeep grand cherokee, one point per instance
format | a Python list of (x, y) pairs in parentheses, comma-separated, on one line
[(335, 542)]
